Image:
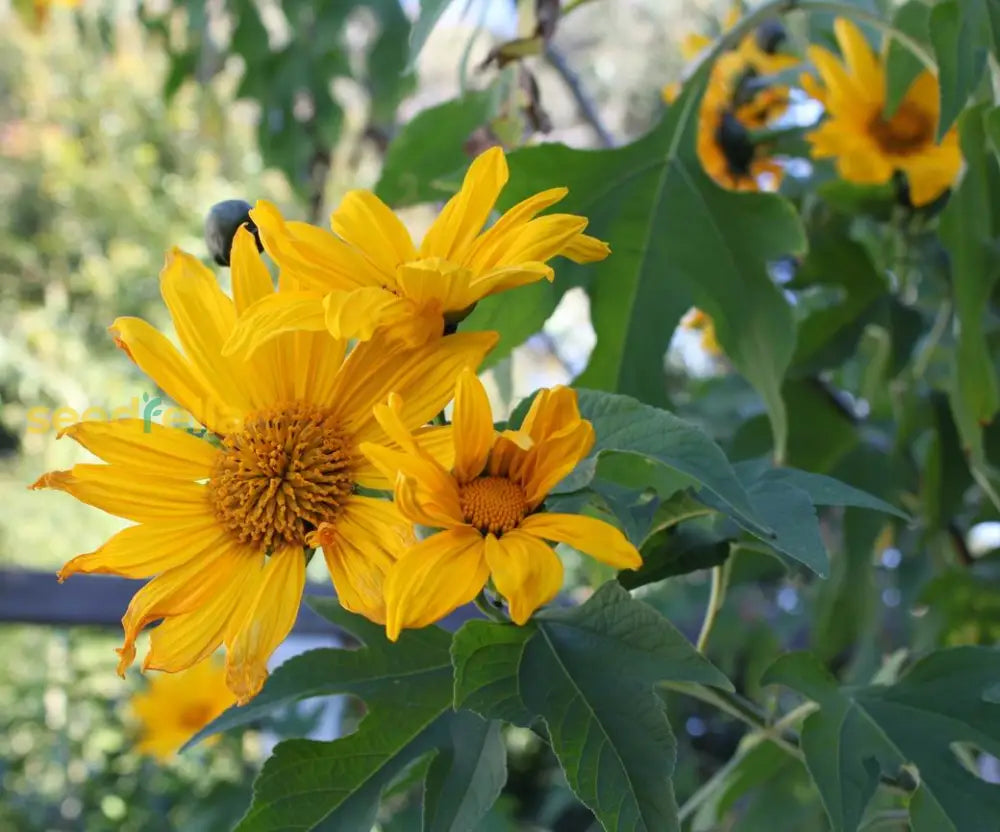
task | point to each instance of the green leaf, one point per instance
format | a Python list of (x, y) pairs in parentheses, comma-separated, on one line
[(790, 513), (677, 551), (901, 65), (430, 13), (430, 148), (515, 315), (861, 732), (968, 233), (407, 687), (623, 424), (960, 31), (589, 673), (677, 239)]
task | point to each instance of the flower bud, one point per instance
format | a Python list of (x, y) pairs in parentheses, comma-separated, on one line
[(221, 224), (770, 35)]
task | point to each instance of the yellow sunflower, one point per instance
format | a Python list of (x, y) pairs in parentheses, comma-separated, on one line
[(868, 147), (175, 706), (368, 275), (225, 525), (487, 506)]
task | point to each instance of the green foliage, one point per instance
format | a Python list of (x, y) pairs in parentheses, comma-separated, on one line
[(963, 35), (407, 687), (945, 699), (589, 674)]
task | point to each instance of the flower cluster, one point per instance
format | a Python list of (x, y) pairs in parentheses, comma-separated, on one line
[(318, 398)]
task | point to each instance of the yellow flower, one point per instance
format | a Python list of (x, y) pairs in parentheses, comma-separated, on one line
[(699, 321), (725, 147), (868, 147), (175, 706), (488, 507), (368, 275), (224, 524)]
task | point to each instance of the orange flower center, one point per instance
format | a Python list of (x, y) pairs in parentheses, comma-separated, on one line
[(287, 471), (493, 504), (909, 130), (196, 715)]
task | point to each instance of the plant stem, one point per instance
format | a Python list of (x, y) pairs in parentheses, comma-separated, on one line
[(487, 608), (716, 598), (571, 6), (588, 110)]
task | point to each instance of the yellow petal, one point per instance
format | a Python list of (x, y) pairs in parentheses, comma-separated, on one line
[(860, 58), (585, 249), (184, 640), (435, 282), (204, 319), (589, 535), (251, 279), (472, 427), (423, 376), (931, 173), (153, 353), (433, 578), (149, 548), (360, 548), (147, 446), (269, 619), (181, 590), (367, 223), (525, 571), (552, 459), (542, 238), (466, 213), (315, 359), (551, 411), (489, 247), (507, 277), (316, 258), (509, 451), (272, 315), (125, 493), (360, 312), (424, 492)]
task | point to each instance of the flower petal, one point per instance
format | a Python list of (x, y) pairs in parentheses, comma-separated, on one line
[(594, 537), (465, 214), (147, 446), (489, 247), (272, 315), (360, 312), (433, 578), (552, 410), (549, 461), (269, 618), (472, 427), (525, 571), (368, 224)]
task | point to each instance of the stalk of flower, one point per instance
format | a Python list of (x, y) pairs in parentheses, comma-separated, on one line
[(868, 147), (488, 508), (368, 275), (225, 526), (175, 706)]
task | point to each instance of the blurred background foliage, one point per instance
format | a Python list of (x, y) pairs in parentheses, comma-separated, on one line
[(121, 124)]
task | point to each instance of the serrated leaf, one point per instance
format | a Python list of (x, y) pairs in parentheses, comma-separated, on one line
[(431, 147), (859, 733), (626, 426), (678, 240), (407, 687), (589, 673)]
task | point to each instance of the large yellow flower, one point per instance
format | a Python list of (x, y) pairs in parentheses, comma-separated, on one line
[(868, 147), (368, 275), (488, 507), (174, 707), (225, 525)]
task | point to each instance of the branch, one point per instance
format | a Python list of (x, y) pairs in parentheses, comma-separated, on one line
[(587, 108)]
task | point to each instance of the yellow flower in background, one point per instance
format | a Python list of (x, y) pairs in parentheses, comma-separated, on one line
[(175, 706), (224, 525), (487, 506), (699, 321), (368, 275), (868, 147)]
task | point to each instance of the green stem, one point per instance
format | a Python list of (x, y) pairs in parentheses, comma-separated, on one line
[(571, 6), (487, 609), (716, 598)]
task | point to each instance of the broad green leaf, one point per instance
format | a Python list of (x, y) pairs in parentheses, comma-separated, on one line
[(901, 65), (968, 228), (789, 511), (677, 239), (515, 315), (623, 424), (430, 13), (429, 148), (407, 687), (961, 34), (677, 551), (589, 673), (860, 733)]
